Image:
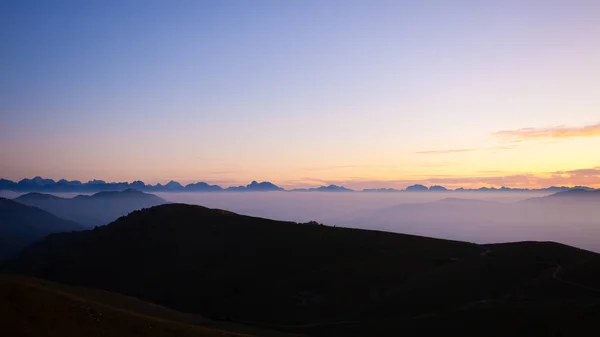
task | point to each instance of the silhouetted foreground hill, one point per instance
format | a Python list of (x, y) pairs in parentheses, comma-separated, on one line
[(225, 265), (322, 280), (21, 225), (93, 210), (31, 307)]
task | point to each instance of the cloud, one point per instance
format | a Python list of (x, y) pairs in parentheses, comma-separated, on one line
[(493, 148), (313, 180), (338, 167), (445, 151), (587, 177), (553, 132), (593, 172), (335, 167), (580, 177), (436, 164), (520, 135)]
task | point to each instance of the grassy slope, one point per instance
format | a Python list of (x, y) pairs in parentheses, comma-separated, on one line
[(510, 291), (281, 274), (228, 266), (33, 307)]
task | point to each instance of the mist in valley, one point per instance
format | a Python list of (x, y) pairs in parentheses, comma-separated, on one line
[(480, 217)]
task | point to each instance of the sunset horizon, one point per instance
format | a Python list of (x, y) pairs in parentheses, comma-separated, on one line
[(286, 168), (573, 178), (301, 94)]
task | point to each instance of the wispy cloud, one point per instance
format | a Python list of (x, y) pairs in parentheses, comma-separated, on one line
[(339, 167), (520, 135), (445, 151), (334, 167), (587, 177), (553, 132), (493, 148)]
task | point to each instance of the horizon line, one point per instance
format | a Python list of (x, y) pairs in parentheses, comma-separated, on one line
[(415, 187)]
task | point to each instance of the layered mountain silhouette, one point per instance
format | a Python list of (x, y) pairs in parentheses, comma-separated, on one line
[(173, 186), (325, 281), (39, 184), (255, 186), (202, 187), (417, 187), (21, 225), (572, 196), (92, 210)]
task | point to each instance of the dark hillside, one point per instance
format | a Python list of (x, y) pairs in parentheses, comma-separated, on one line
[(30, 307), (226, 265), (321, 280), (22, 225)]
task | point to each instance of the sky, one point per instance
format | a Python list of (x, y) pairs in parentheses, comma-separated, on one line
[(365, 94)]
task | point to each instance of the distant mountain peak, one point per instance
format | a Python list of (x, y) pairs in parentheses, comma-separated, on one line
[(138, 183), (333, 188), (95, 182), (173, 185), (417, 187), (36, 181), (202, 187), (262, 186)]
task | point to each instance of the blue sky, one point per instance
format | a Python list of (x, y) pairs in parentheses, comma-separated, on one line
[(298, 92)]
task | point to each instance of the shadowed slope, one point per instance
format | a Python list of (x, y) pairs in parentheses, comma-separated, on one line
[(32, 307), (21, 225)]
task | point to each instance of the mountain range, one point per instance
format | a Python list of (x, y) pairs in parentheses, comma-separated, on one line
[(39, 184)]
